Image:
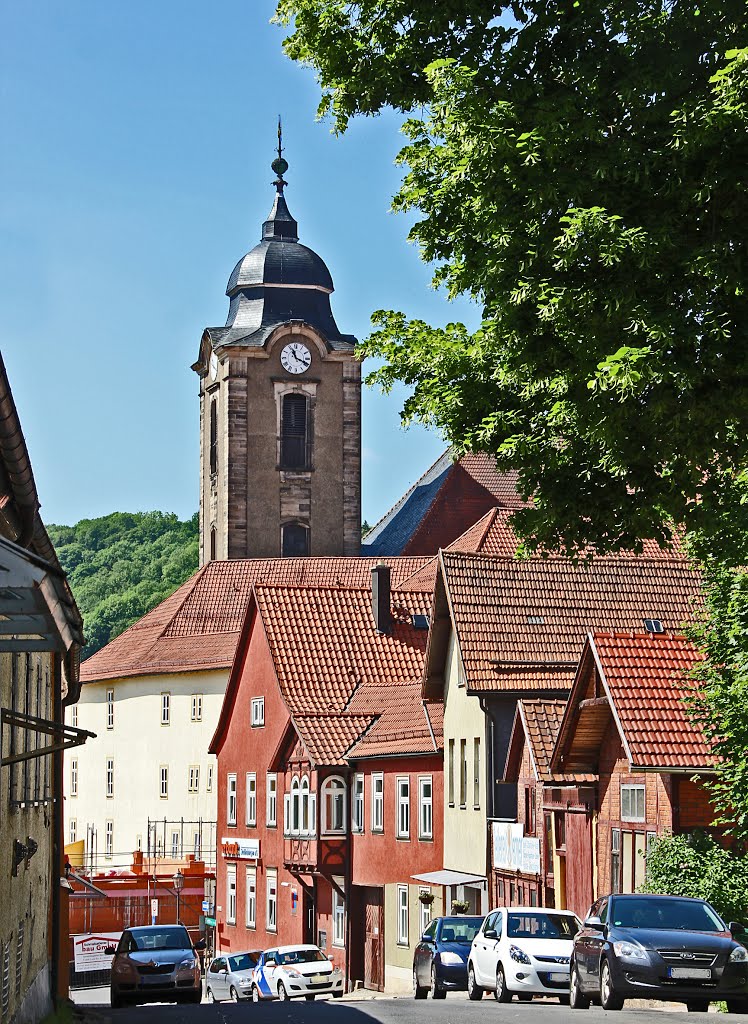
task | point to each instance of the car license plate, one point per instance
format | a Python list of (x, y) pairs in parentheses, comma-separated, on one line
[(557, 976), (695, 973), (319, 977)]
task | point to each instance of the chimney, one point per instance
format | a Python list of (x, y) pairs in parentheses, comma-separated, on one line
[(380, 598)]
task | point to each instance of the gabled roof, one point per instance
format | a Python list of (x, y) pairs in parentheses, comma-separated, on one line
[(638, 681), (520, 625), (405, 724), (328, 738), (536, 725), (197, 628)]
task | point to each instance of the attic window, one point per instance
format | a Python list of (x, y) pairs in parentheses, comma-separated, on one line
[(653, 626), (420, 621), (535, 620)]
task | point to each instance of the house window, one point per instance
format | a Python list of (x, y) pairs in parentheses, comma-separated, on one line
[(251, 798), (548, 826), (476, 773), (165, 708), (632, 803), (403, 808), (74, 716), (294, 540), (212, 543), (110, 709), (530, 810), (196, 845), (271, 915), (305, 808), (425, 808), (175, 844), (164, 791), (377, 802), (213, 436), (231, 894), (294, 431), (338, 915), (110, 777), (425, 909), (193, 784), (251, 901), (615, 860), (73, 833), (231, 800), (463, 773), (402, 915), (451, 774), (295, 805), (258, 711), (74, 776), (197, 707), (209, 780), (333, 805), (272, 799), (109, 840), (357, 817)]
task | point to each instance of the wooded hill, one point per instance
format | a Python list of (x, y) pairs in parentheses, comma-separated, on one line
[(122, 565)]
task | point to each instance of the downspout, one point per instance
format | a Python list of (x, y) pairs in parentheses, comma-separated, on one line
[(489, 739)]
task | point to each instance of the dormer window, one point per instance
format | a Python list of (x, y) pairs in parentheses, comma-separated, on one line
[(294, 452)]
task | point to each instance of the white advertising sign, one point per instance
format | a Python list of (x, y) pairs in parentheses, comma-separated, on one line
[(513, 851), (241, 849), (88, 950)]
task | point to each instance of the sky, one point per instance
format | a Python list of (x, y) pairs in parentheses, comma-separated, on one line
[(136, 141)]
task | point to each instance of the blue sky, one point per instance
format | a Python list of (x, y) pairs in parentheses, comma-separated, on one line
[(137, 140)]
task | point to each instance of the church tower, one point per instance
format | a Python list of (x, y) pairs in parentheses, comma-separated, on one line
[(280, 407)]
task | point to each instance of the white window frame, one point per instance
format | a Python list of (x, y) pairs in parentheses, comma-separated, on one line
[(476, 773), (74, 776), (633, 791), (402, 808), (110, 778), (425, 807), (402, 915), (231, 894), (209, 780), (271, 799), (336, 785), (196, 845), (165, 707), (271, 903), (295, 821), (197, 707), (73, 830), (305, 824), (251, 898), (257, 714), (231, 799), (175, 845), (164, 782), (74, 716), (377, 802), (109, 840), (338, 915), (193, 779), (357, 803), (110, 709), (251, 798), (425, 911)]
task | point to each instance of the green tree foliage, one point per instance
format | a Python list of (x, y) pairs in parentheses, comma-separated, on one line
[(696, 865), (578, 168), (122, 565)]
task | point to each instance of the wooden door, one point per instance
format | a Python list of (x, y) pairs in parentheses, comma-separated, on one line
[(374, 941), (578, 863)]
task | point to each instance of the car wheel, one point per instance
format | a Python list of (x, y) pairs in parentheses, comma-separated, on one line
[(524, 997), (609, 998), (255, 994), (282, 994), (737, 1005), (697, 1005), (310, 998), (436, 991), (116, 1001), (233, 995), (419, 991), (195, 998), (337, 995), (474, 991), (577, 999), (501, 992), (209, 995)]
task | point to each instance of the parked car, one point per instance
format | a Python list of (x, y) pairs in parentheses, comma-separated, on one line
[(522, 951), (230, 976), (440, 958), (155, 963), (658, 947), (288, 972)]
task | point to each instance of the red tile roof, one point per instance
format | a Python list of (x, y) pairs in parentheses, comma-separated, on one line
[(405, 725), (646, 676), (541, 720), (521, 624), (198, 626), (328, 738)]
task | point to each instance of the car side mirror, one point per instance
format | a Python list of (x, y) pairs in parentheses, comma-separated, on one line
[(330, 956), (200, 944), (425, 938), (594, 922), (490, 933), (223, 970), (110, 950)]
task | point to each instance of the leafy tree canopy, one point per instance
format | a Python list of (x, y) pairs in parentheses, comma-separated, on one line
[(579, 169), (122, 565)]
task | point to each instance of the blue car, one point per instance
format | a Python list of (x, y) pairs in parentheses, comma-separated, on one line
[(440, 958)]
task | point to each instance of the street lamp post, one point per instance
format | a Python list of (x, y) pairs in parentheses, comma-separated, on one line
[(178, 886)]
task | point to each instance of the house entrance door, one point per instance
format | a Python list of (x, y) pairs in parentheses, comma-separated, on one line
[(310, 931), (374, 948)]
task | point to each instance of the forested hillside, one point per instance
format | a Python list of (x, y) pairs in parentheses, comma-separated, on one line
[(121, 565)]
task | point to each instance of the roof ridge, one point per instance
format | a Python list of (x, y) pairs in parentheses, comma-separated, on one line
[(403, 498)]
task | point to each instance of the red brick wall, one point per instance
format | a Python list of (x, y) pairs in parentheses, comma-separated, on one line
[(695, 810)]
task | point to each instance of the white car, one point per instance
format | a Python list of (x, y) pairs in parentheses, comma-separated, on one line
[(229, 976), (522, 951), (288, 972)]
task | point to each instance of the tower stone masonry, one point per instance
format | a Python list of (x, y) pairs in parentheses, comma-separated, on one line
[(280, 408)]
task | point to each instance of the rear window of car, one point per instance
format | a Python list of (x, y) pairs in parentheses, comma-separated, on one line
[(541, 926), (681, 915)]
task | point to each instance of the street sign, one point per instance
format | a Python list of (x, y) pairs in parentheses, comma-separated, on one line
[(210, 921), (154, 911), (207, 907)]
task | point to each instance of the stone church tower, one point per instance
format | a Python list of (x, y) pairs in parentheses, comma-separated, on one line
[(280, 408)]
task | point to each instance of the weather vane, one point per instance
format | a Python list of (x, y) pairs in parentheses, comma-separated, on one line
[(279, 165)]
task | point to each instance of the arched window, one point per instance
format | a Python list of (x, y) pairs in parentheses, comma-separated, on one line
[(212, 543), (295, 808), (305, 805), (213, 436), (333, 805), (294, 540), (294, 452)]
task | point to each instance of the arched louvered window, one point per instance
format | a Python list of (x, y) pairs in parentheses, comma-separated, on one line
[(294, 432), (213, 436), (212, 543), (295, 541)]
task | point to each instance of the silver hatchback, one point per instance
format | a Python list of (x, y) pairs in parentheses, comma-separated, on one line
[(229, 976)]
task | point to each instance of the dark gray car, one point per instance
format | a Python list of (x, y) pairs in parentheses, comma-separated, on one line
[(154, 964), (657, 947)]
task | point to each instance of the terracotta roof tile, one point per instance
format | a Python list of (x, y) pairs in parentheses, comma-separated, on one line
[(404, 724), (524, 622), (198, 626), (541, 720), (328, 738)]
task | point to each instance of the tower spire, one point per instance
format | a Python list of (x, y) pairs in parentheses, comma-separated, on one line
[(279, 165), (280, 224)]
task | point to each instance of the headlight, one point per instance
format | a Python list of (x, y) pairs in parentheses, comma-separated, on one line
[(738, 955), (451, 958), (292, 972), (632, 950), (190, 961), (516, 954)]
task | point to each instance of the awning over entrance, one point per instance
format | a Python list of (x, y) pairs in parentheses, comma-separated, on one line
[(448, 877)]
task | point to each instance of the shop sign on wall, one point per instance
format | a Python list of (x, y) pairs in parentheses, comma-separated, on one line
[(513, 850)]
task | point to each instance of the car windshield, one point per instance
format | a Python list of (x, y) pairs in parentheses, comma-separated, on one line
[(164, 938), (669, 914), (460, 929), (242, 962), (541, 926), (300, 956)]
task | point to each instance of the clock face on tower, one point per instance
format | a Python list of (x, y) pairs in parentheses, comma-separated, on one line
[(296, 358)]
